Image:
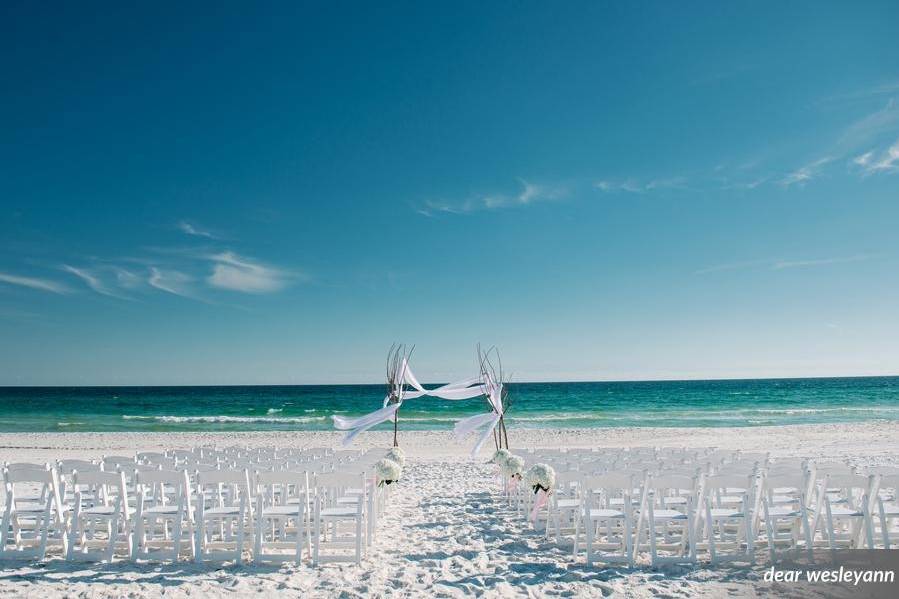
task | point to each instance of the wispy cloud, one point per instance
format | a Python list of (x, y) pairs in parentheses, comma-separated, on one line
[(731, 266), (172, 281), (869, 129), (237, 273), (530, 193), (879, 90), (195, 230), (33, 283), (636, 186), (804, 174), (92, 279), (884, 161), (782, 264)]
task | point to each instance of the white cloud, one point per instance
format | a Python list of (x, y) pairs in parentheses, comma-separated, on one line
[(863, 159), (126, 278), (33, 283), (636, 186), (237, 273), (530, 193), (192, 229), (171, 281), (806, 173), (888, 161), (745, 184), (869, 129), (731, 266), (92, 280), (780, 265)]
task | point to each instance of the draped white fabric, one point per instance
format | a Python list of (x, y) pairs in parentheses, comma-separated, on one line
[(466, 426), (491, 419), (344, 424), (464, 389), (360, 425)]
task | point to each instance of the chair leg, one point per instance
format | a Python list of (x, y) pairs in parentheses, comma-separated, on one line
[(577, 532), (358, 540), (45, 530), (588, 535), (316, 537), (176, 538), (868, 524), (112, 528), (628, 543), (830, 529), (201, 532), (138, 537), (240, 538)]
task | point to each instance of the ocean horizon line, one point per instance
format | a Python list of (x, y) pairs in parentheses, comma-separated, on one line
[(512, 382)]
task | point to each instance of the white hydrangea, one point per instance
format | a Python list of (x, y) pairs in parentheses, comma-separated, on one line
[(397, 455), (387, 471), (541, 476), (500, 457), (514, 466)]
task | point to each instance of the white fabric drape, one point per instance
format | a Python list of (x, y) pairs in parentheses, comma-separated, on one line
[(464, 389), (363, 423), (490, 419)]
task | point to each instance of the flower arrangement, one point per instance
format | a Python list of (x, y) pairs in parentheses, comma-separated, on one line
[(514, 466), (499, 458), (541, 477), (397, 455), (387, 471)]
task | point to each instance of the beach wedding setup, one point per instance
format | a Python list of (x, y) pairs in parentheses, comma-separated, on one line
[(638, 506)]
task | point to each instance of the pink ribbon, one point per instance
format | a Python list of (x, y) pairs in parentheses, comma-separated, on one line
[(538, 503)]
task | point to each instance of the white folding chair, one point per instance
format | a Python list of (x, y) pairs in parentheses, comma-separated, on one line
[(849, 503), (31, 520), (282, 516), (785, 514), (728, 517), (163, 513), (564, 503), (608, 524), (101, 516), (331, 515), (66, 468), (223, 514), (667, 514)]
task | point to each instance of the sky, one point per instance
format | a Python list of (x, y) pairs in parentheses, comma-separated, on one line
[(273, 193)]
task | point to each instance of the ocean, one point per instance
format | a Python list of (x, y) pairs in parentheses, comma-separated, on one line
[(716, 403)]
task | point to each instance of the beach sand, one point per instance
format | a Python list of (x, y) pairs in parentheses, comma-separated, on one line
[(446, 533)]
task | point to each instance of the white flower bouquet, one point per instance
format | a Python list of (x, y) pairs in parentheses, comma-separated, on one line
[(500, 457), (397, 455), (541, 477), (514, 466), (387, 471)]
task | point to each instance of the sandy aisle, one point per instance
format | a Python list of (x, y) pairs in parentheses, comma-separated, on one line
[(446, 534)]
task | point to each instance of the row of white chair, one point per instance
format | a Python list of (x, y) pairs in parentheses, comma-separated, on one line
[(211, 504), (674, 504)]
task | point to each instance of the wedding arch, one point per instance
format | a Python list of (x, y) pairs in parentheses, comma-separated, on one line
[(403, 385)]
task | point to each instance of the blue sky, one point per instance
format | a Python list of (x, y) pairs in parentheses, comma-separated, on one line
[(276, 193)]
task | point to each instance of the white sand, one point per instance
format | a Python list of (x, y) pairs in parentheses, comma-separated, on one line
[(446, 533)]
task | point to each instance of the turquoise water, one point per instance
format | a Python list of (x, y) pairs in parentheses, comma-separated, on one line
[(541, 405)]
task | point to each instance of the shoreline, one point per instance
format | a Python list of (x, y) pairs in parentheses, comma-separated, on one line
[(875, 438)]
